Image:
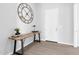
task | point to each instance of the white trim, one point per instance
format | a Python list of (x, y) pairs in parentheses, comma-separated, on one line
[(66, 43), (43, 40), (10, 53), (75, 6)]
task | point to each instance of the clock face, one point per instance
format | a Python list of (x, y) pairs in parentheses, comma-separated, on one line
[(25, 13)]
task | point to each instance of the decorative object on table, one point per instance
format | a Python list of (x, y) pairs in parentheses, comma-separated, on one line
[(17, 31), (34, 27), (25, 13)]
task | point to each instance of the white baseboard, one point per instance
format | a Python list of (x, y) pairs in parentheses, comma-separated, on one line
[(66, 43), (63, 43), (43, 40), (10, 53)]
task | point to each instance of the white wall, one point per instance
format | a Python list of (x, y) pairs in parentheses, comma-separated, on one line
[(65, 21), (8, 22), (7, 25)]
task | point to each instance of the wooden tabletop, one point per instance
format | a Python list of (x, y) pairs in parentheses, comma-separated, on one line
[(23, 36)]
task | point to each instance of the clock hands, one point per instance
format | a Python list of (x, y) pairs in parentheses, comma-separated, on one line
[(25, 10), (26, 13)]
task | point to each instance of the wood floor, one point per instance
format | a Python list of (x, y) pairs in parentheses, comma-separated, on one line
[(50, 48)]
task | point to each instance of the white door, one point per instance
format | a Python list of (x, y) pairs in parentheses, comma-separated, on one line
[(51, 23)]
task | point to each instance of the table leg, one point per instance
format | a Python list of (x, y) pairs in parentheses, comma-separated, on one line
[(22, 47), (39, 37), (14, 52), (34, 37), (14, 47)]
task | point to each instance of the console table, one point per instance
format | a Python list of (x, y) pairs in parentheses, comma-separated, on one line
[(21, 38)]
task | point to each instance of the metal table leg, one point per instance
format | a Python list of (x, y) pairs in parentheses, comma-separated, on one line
[(39, 37), (22, 52), (22, 47), (14, 47), (34, 37)]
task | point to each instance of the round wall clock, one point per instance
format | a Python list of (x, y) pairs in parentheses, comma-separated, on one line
[(25, 13)]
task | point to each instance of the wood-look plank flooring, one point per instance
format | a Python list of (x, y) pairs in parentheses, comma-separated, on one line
[(50, 48)]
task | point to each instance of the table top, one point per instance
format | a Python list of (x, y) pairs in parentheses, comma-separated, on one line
[(23, 36)]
